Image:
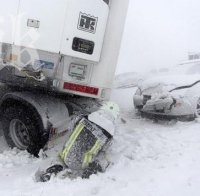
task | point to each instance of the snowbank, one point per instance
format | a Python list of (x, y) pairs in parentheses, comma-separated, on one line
[(148, 159), (128, 80)]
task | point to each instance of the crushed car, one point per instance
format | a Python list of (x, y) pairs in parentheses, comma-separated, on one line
[(173, 95)]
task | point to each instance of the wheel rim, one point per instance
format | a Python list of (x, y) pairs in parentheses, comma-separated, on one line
[(19, 134)]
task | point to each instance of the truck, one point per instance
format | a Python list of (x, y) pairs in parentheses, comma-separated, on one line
[(56, 57)]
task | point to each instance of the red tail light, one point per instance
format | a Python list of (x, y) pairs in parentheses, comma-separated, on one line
[(81, 88)]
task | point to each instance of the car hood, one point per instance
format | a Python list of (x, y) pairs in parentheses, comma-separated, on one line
[(166, 83)]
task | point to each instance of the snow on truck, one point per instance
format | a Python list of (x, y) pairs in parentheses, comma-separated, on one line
[(49, 51)]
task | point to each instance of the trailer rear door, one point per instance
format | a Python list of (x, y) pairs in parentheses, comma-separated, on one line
[(85, 27), (40, 24), (8, 15)]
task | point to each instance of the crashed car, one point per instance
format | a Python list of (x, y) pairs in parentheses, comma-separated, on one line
[(170, 96)]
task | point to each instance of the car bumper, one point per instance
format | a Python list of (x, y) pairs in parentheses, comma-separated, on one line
[(161, 116), (166, 108)]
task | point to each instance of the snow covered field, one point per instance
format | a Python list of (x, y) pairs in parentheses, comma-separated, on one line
[(149, 159)]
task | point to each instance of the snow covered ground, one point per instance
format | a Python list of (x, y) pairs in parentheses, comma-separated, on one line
[(149, 159)]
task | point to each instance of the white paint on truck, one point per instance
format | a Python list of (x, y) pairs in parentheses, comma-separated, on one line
[(75, 43)]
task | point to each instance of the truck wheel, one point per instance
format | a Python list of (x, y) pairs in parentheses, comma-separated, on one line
[(20, 129)]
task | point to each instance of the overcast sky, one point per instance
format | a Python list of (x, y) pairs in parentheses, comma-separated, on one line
[(159, 33)]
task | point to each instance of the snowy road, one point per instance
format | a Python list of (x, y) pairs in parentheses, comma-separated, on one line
[(149, 159)]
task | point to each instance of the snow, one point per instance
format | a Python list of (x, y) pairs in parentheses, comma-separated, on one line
[(149, 159), (128, 79), (179, 75), (169, 82)]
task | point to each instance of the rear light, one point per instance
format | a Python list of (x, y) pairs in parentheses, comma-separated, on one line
[(81, 88)]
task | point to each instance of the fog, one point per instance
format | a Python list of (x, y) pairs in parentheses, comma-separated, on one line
[(159, 33)]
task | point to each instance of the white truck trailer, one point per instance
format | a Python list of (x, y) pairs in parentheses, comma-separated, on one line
[(50, 48)]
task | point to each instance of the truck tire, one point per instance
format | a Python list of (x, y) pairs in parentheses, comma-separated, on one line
[(21, 129)]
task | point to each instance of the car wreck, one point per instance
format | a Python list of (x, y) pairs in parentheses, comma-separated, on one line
[(169, 97)]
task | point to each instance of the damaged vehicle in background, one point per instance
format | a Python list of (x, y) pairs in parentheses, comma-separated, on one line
[(173, 95)]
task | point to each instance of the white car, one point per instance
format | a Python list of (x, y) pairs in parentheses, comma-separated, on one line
[(173, 95)]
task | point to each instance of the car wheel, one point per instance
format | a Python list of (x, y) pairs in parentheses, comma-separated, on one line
[(21, 129)]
